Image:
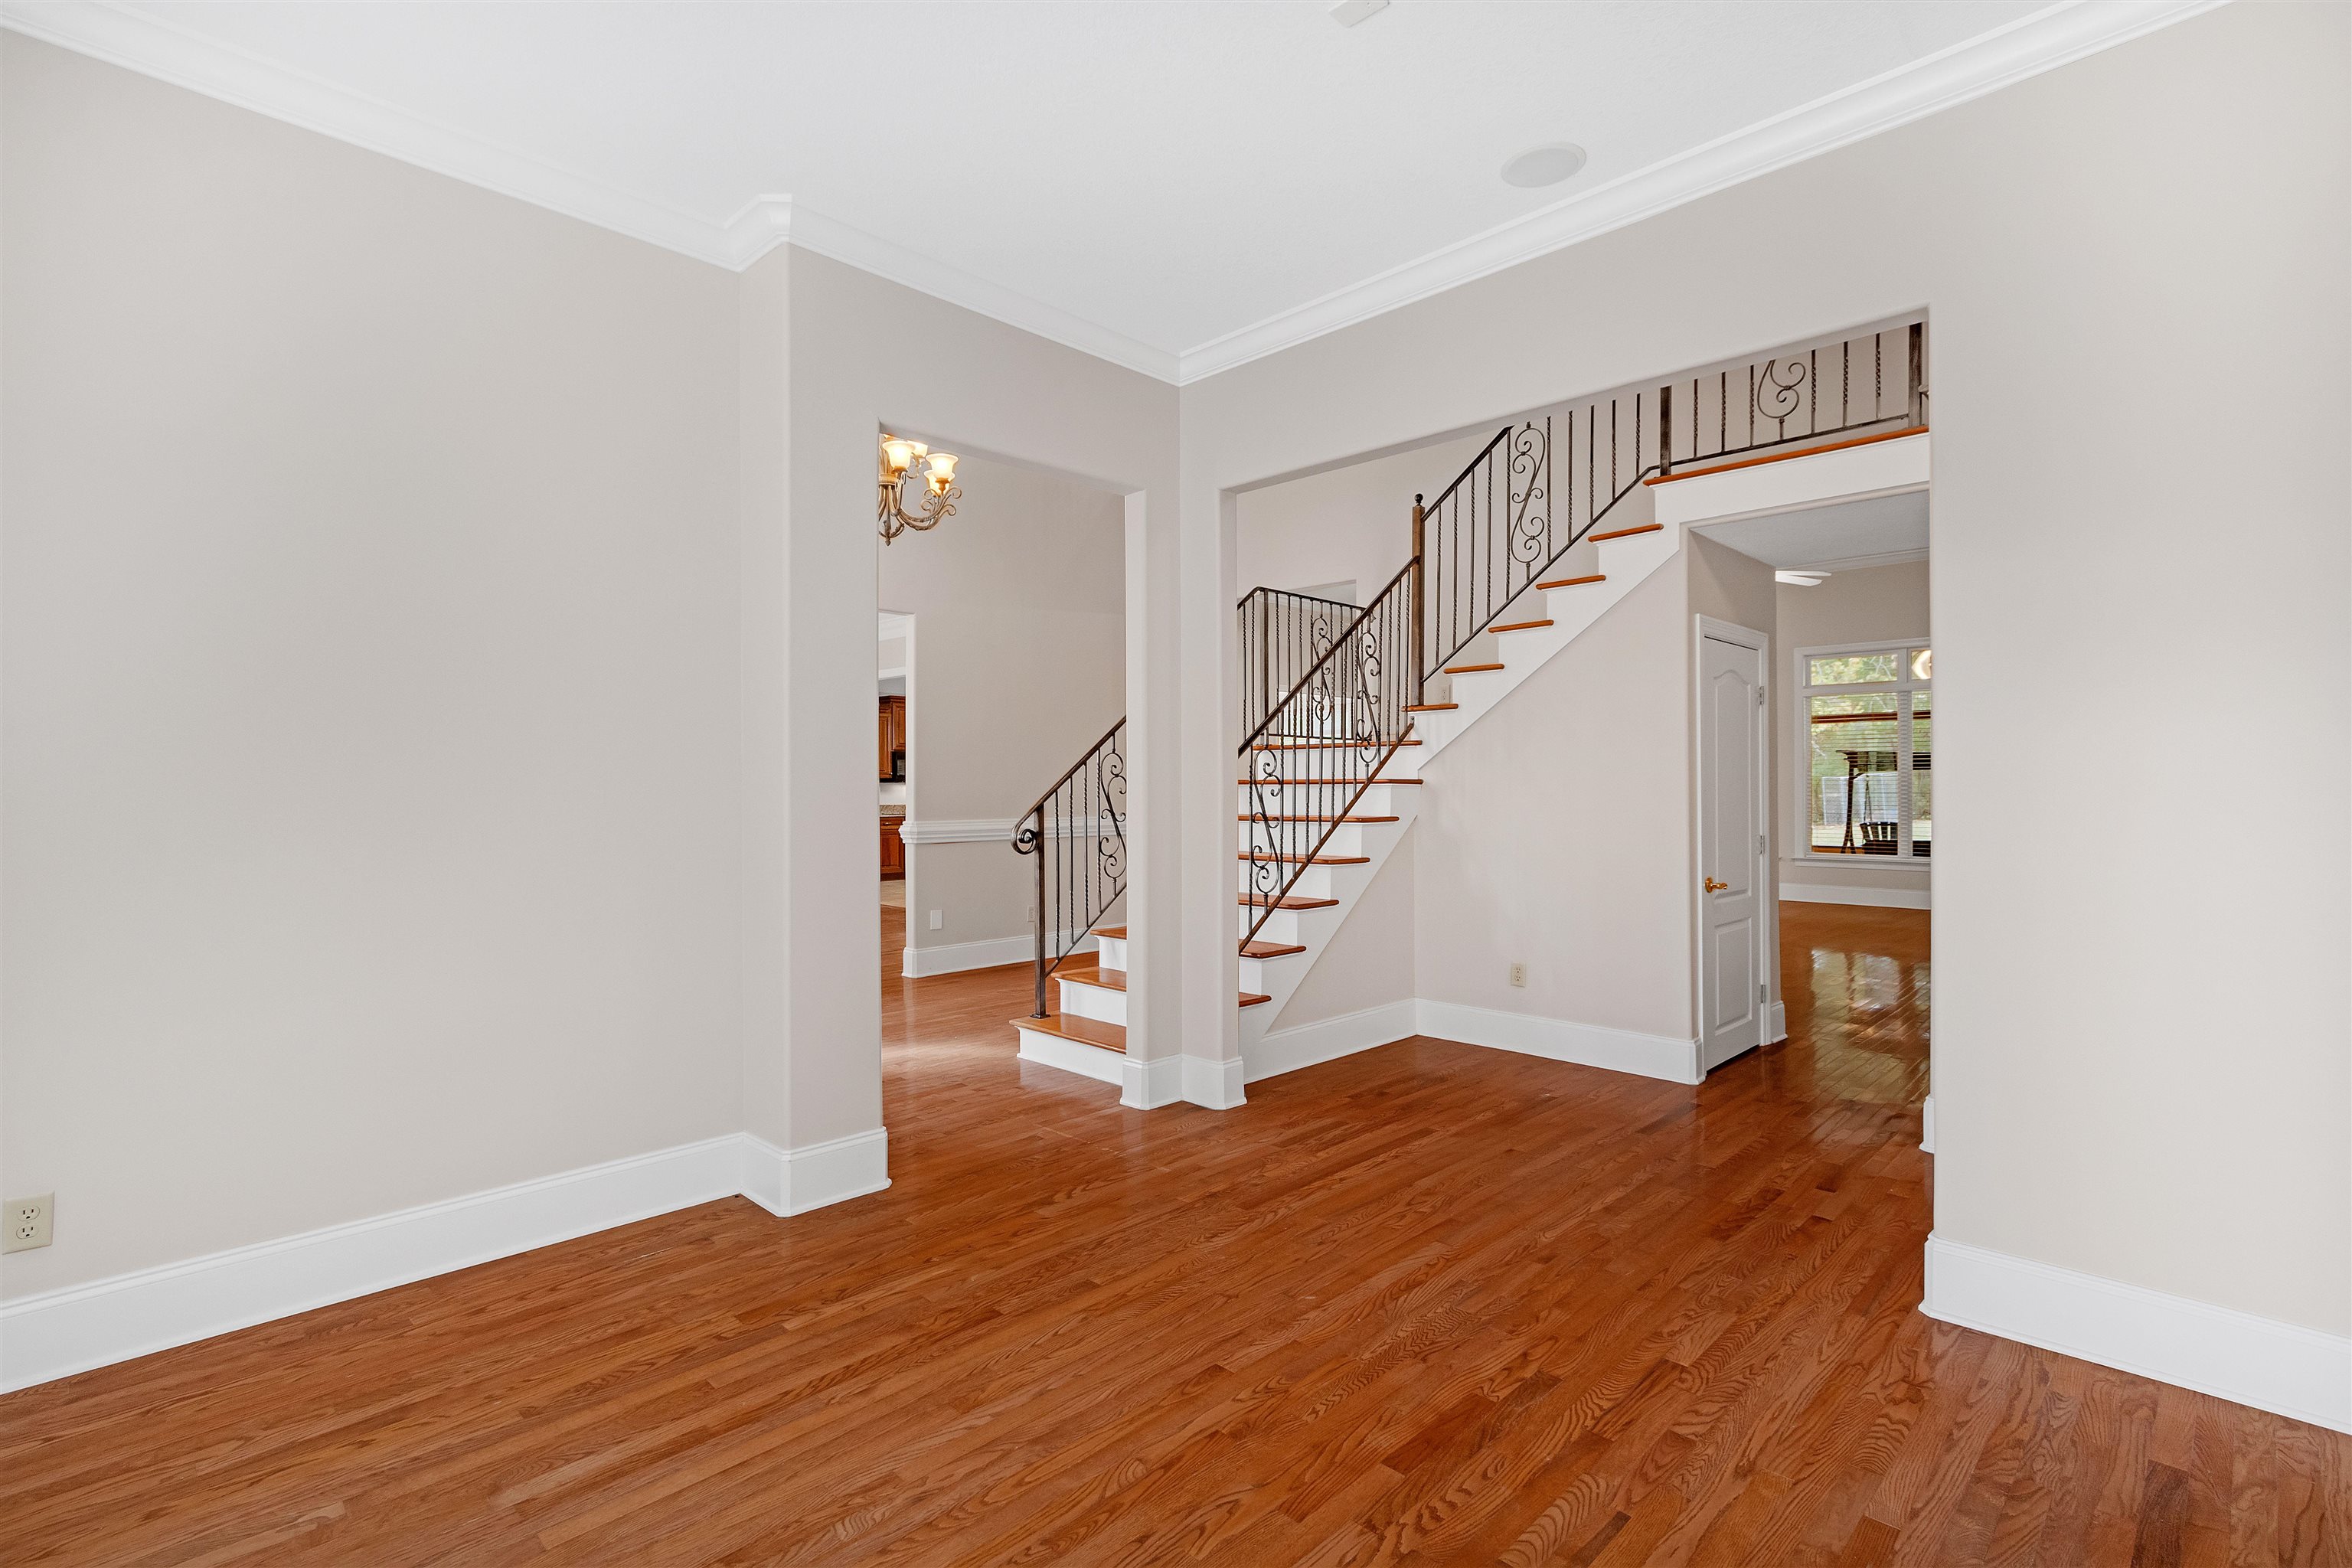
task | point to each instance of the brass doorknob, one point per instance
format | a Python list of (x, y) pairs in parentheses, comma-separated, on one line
[(1714, 887)]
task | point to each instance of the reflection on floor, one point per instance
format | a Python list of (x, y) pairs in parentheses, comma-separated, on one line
[(1429, 1303), (1855, 985), (893, 893)]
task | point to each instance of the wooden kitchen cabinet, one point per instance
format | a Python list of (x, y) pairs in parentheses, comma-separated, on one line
[(894, 849), (889, 735)]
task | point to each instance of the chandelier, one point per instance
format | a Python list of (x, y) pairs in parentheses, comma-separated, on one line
[(902, 460)]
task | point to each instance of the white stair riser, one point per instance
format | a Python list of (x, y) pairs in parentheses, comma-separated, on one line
[(1314, 881), (1112, 954), (1296, 800), (1281, 925), (1086, 1061), (1344, 839), (1101, 1003)]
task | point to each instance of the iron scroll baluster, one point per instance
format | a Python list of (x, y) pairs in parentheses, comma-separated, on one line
[(1078, 831), (1492, 536)]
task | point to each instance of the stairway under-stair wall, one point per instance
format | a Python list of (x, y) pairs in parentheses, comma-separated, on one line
[(1513, 868)]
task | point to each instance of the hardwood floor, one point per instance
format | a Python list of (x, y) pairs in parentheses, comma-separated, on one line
[(1427, 1304)]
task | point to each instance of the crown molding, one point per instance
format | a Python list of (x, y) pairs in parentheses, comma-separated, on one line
[(828, 236), (2026, 47), (151, 45)]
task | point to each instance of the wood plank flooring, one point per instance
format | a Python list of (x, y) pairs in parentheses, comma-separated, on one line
[(1428, 1304)]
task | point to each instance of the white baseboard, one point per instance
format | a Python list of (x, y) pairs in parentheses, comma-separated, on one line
[(2278, 1367), (1870, 898), (1588, 1045), (1215, 1083), (1071, 1056), (72, 1329), (955, 957), (1146, 1086), (1328, 1039), (1928, 1125), (794, 1181), (1776, 1022)]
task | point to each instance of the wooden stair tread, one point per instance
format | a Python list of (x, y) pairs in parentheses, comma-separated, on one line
[(1081, 1031), (1784, 457), (1308, 859), (1340, 819), (1326, 745), (1116, 933), (1469, 668), (1286, 903), (1627, 532), (1116, 980), (1429, 707), (1271, 949), (1522, 626), (1573, 582)]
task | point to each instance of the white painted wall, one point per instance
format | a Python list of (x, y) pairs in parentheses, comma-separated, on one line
[(1873, 604), (370, 730), (2122, 1090), (1020, 606)]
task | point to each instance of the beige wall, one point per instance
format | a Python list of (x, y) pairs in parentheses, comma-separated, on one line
[(371, 771), (2122, 1089), (1019, 665), (1352, 523), (438, 673), (1556, 833), (812, 1024), (1873, 604)]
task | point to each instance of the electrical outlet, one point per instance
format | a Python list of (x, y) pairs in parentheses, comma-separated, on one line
[(1519, 975), (937, 920), (28, 1223)]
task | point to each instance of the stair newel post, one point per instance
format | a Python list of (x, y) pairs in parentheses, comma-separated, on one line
[(1039, 828), (1665, 429), (1916, 373), (1420, 677)]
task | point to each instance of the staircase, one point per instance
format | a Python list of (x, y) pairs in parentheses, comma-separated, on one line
[(1347, 709)]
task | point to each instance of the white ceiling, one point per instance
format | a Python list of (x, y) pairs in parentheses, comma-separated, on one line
[(1877, 531), (1177, 185)]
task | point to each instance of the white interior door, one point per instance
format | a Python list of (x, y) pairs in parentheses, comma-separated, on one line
[(1731, 849)]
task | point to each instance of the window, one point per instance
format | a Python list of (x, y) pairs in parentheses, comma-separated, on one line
[(1865, 744)]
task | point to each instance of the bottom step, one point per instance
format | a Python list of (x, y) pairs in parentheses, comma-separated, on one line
[(1092, 1032), (1082, 1046)]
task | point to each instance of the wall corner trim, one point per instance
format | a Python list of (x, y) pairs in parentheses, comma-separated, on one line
[(1149, 1085), (2287, 1369), (60, 1332), (1213, 1082), (788, 1181)]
